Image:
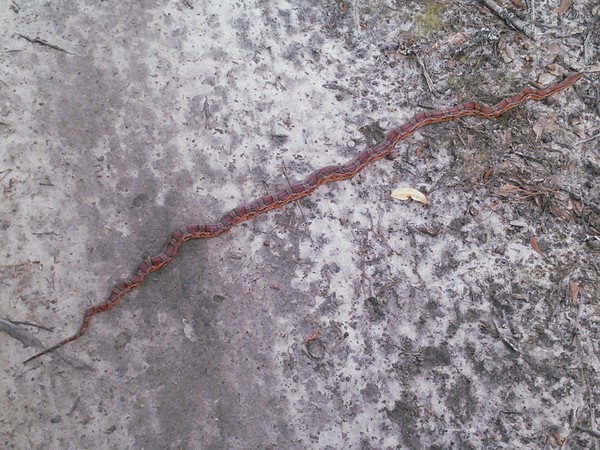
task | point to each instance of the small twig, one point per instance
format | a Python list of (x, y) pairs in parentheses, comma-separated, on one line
[(27, 340), (430, 85), (13, 331), (74, 406), (529, 157), (30, 324), (206, 112), (509, 342), (510, 18), (14, 266), (587, 430), (363, 264), (40, 41), (596, 136), (575, 333), (339, 88), (6, 172)]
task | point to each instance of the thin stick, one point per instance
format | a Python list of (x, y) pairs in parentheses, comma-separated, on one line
[(37, 40), (510, 18)]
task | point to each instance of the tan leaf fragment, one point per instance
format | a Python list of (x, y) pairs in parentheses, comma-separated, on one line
[(546, 78), (577, 29), (518, 223), (542, 125), (508, 55), (409, 194), (534, 245), (487, 174), (552, 53), (558, 439), (554, 49), (458, 38), (560, 213), (564, 5), (509, 190), (555, 69), (574, 290), (578, 129)]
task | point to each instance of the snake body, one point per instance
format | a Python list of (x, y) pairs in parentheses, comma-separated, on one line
[(303, 188)]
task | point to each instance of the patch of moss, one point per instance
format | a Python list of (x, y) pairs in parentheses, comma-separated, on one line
[(454, 82), (430, 19)]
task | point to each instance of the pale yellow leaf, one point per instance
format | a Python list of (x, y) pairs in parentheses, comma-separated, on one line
[(409, 194)]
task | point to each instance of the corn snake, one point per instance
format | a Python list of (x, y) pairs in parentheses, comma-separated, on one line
[(303, 188)]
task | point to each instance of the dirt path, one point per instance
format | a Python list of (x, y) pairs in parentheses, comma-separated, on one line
[(345, 320)]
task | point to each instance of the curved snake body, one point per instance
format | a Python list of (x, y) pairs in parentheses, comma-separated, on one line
[(303, 188)]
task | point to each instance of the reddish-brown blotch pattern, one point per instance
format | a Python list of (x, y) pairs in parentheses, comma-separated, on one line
[(303, 188)]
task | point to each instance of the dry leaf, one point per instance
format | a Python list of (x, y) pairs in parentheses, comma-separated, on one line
[(534, 245), (409, 194), (555, 69), (577, 206), (509, 190), (577, 29), (560, 213), (487, 175), (579, 130), (492, 205), (553, 52), (554, 49), (506, 57), (546, 78), (542, 125), (558, 439), (458, 39), (564, 5), (518, 223), (419, 150), (574, 290)]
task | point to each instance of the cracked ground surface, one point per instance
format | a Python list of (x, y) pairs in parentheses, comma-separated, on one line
[(347, 319)]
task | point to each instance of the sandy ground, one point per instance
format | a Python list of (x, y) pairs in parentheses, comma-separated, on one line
[(345, 320)]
